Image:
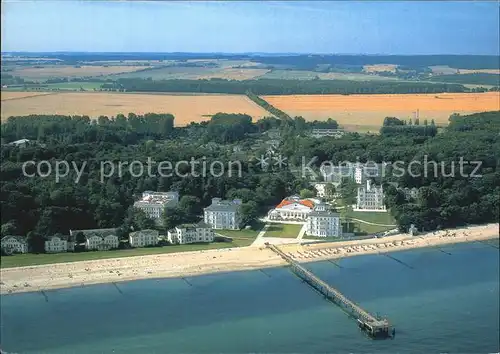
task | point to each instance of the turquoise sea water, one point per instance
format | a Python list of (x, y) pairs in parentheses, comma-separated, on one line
[(443, 303)]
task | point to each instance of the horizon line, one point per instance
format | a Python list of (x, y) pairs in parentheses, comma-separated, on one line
[(236, 53)]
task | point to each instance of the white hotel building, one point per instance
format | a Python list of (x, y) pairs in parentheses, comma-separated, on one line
[(56, 244), (143, 238), (223, 214), (14, 244), (154, 203), (322, 222), (191, 233)]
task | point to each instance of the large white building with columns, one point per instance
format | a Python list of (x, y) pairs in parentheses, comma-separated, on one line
[(292, 209)]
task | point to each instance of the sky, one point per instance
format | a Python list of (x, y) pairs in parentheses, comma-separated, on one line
[(341, 27)]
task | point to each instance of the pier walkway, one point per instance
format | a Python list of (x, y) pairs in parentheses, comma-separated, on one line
[(375, 327)]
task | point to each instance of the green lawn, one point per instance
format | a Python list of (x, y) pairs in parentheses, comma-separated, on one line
[(374, 217), (283, 230), (241, 238), (20, 260), (365, 229)]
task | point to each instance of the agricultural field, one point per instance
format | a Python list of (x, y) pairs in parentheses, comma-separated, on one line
[(195, 73), (481, 71), (310, 75), (367, 112), (235, 74), (185, 108), (446, 70), (57, 71), (14, 95), (380, 68)]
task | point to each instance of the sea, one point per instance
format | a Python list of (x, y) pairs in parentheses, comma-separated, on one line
[(440, 300)]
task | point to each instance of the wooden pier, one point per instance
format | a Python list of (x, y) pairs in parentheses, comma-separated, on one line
[(375, 327)]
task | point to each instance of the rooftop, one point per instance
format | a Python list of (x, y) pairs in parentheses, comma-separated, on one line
[(21, 239), (290, 200)]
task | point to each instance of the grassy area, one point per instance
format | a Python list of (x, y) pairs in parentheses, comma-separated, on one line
[(374, 217), (283, 230), (365, 229), (20, 260), (242, 238)]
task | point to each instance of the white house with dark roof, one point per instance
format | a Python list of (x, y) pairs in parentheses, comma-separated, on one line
[(191, 233), (223, 214), (56, 244), (99, 239), (143, 238), (14, 244), (322, 222)]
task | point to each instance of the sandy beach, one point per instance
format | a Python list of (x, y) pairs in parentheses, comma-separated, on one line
[(64, 275)]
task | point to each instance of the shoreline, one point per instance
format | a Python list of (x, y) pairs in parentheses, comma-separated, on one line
[(185, 264)]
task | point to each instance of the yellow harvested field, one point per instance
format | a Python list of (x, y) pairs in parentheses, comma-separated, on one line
[(13, 95), (235, 74), (71, 71), (185, 108), (379, 68), (367, 112), (484, 71)]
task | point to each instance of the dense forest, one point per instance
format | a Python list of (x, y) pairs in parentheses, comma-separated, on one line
[(474, 79), (42, 206)]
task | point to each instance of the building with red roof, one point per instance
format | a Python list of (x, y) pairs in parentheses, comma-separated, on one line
[(292, 209)]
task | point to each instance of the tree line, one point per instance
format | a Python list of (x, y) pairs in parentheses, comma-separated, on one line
[(285, 87)]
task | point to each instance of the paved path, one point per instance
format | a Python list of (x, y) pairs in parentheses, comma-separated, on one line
[(258, 240), (302, 232)]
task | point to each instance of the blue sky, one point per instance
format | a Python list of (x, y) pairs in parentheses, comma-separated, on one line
[(393, 27)]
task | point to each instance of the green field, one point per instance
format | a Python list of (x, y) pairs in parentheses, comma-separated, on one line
[(168, 73), (21, 260), (373, 217), (309, 75), (283, 230), (241, 238)]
